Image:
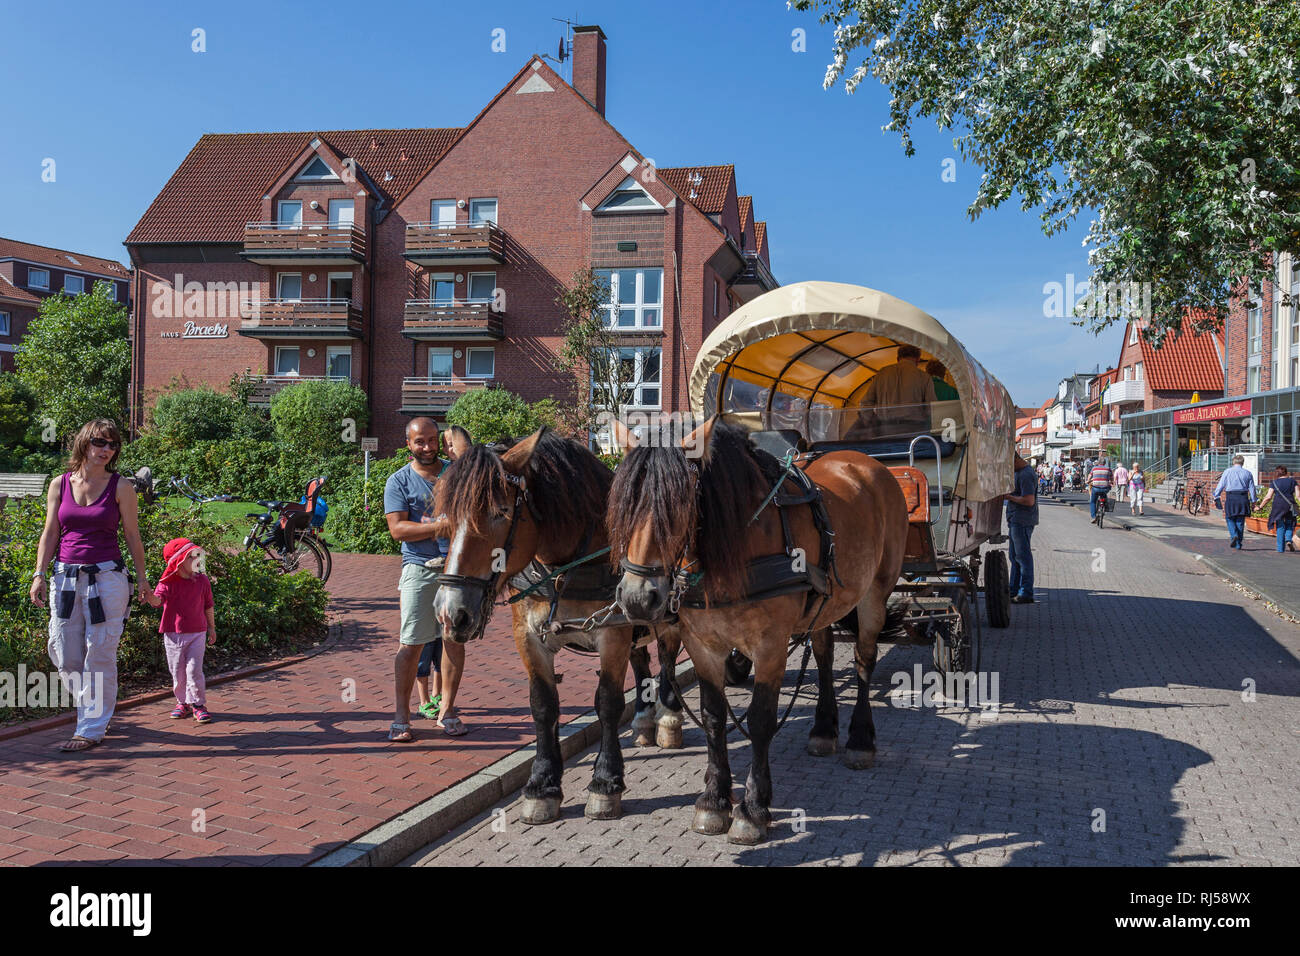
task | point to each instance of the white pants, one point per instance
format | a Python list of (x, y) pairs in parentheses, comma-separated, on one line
[(85, 653), (1137, 499)]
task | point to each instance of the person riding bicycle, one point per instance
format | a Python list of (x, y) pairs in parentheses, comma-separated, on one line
[(1100, 480)]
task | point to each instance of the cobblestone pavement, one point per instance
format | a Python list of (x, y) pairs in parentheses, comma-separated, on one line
[(1122, 737)]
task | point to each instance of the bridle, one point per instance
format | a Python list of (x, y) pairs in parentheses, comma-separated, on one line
[(682, 577), (492, 583)]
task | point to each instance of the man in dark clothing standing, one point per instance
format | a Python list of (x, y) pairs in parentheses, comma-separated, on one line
[(1022, 518)]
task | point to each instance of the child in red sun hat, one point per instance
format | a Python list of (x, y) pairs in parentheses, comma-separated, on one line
[(185, 595)]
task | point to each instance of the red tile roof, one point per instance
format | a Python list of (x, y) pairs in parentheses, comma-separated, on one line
[(61, 259), (746, 211), (709, 194), (11, 293), (1185, 362), (219, 185), (760, 239)]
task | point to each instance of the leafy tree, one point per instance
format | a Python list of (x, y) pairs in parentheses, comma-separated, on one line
[(320, 418), (606, 376), (1177, 123), (490, 414), (76, 359), (17, 411), (186, 416)]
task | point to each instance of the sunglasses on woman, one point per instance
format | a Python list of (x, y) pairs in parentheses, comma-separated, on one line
[(106, 443)]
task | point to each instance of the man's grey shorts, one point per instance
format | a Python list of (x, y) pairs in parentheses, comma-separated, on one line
[(418, 586)]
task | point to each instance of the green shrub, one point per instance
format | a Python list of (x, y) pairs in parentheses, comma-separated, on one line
[(319, 419), (183, 417), (257, 609), (353, 527), (490, 414)]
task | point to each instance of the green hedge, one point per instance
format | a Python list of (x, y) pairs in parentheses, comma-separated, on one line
[(257, 609)]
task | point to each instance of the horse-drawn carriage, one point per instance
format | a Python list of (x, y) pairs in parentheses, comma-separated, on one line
[(796, 368)]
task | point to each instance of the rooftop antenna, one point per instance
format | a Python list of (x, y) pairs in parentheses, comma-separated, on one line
[(565, 52)]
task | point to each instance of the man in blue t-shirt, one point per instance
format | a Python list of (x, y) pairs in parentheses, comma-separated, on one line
[(408, 508), (1022, 518)]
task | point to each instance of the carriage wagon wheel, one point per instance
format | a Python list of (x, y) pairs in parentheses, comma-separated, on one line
[(997, 589), (954, 650)]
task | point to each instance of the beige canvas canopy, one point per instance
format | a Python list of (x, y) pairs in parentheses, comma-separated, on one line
[(821, 343)]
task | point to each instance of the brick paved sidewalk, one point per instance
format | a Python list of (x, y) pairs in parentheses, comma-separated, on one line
[(287, 771), (1257, 565)]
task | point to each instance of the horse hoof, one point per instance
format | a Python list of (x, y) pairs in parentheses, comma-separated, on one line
[(745, 832), (859, 759), (643, 725), (540, 810), (668, 737), (604, 806), (822, 746), (710, 822)]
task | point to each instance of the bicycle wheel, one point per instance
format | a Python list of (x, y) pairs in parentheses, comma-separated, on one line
[(325, 553), (1195, 503), (305, 556), (1101, 512)]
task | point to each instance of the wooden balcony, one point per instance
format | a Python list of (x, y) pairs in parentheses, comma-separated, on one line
[(277, 243), (426, 319), (301, 318), (267, 385), (431, 244), (426, 396)]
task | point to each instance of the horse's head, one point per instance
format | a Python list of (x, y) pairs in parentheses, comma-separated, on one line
[(494, 535)]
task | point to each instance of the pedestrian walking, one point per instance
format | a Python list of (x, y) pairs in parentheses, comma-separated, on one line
[(188, 620), (1137, 488), (1237, 487), (84, 509), (408, 509), (1058, 478), (1282, 515), (1022, 518), (1121, 481), (1100, 479)]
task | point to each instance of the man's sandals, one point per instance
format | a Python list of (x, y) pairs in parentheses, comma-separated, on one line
[(77, 744), (400, 733)]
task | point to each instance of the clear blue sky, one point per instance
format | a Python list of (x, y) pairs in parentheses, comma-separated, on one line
[(114, 94)]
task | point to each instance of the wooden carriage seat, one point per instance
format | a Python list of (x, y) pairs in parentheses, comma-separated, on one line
[(916, 492)]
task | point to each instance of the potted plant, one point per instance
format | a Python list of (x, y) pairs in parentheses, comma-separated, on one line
[(1257, 521)]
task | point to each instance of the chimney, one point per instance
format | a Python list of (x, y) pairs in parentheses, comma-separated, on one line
[(589, 65)]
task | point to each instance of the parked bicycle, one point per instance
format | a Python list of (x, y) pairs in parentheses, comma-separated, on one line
[(1180, 488), (1196, 501), (288, 533)]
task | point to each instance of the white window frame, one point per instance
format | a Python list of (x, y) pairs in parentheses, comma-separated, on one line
[(283, 223), (336, 209), (469, 282), (286, 348), (639, 353), (279, 282), (331, 276), (71, 278), (1133, 334), (451, 355), (1137, 371), (630, 185), (6, 323), (1253, 382), (1254, 322), (491, 374), (478, 220), (45, 286), (333, 351), (639, 306), (329, 177), (435, 205), (434, 279)]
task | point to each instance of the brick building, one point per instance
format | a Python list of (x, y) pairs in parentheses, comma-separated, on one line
[(30, 273), (422, 263)]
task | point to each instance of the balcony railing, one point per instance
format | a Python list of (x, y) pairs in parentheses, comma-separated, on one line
[(318, 318), (1121, 393), (432, 243), (433, 319), (420, 395), (267, 385), (303, 242)]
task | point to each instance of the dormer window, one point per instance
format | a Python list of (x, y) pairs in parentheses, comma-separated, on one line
[(317, 171), (628, 197)]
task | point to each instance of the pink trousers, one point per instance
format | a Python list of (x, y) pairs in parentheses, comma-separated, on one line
[(185, 661)]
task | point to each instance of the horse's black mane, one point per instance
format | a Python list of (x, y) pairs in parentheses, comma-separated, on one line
[(567, 485), (652, 488)]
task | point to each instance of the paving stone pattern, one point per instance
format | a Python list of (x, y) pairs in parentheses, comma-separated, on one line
[(1121, 693)]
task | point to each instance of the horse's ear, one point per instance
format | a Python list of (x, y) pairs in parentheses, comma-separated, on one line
[(698, 441), (516, 458), (624, 437)]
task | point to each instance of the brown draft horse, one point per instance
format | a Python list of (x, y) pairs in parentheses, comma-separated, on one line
[(666, 512), (545, 498)]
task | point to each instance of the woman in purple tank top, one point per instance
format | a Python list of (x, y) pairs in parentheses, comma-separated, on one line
[(92, 591)]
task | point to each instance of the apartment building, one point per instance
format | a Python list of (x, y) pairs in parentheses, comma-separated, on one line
[(421, 263), (30, 273)]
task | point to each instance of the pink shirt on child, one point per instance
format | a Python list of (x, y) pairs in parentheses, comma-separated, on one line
[(185, 604)]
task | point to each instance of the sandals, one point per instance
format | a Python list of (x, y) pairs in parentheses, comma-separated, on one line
[(77, 744), (431, 708), (400, 733), (201, 715), (453, 727), (179, 711)]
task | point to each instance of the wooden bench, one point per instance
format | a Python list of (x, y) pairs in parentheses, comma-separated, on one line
[(21, 486)]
